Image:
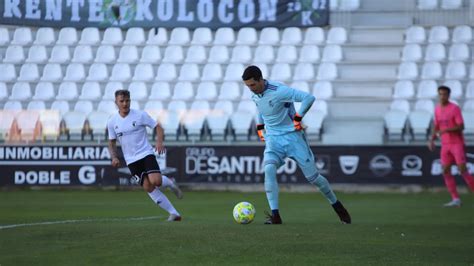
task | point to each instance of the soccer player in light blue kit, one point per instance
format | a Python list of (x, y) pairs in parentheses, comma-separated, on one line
[(284, 137)]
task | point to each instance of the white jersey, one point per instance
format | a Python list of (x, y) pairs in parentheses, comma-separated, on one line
[(130, 131)]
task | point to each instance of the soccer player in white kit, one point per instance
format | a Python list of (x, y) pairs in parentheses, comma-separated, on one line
[(128, 126)]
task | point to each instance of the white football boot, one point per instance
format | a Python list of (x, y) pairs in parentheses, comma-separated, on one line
[(175, 189), (456, 203), (174, 218)]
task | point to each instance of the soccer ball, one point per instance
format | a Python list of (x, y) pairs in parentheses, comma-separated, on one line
[(244, 212)]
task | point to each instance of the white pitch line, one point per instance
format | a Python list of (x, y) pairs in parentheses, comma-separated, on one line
[(9, 226)]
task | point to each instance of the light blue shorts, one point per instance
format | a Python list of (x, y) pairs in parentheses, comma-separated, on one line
[(292, 145)]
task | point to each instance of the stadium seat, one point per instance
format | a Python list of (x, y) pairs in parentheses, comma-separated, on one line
[(128, 54), (105, 54), (173, 54), (110, 88), (14, 54), (90, 36), (112, 36), (462, 34), (121, 72), (427, 4), (218, 124), (107, 106), (206, 90), (471, 72), (196, 54), (241, 123), (327, 71), (456, 89), (281, 72), (75, 124), (177, 106), (157, 36), (269, 36), (395, 123), (470, 90), (459, 52), (323, 90), (420, 119), (411, 53), (61, 106), (171, 123), (291, 36), (138, 91), (212, 72), (143, 72), (75, 72), (438, 34), (37, 55), (36, 105), (194, 119), (247, 106), (22, 36), (135, 36), (435, 52), (6, 121), (45, 36), (60, 54), (229, 90), (314, 36), (313, 120), (28, 125), (98, 72), (29, 72), (202, 36), (224, 36), (218, 54), (264, 54), (50, 121), (349, 5), (246, 36), (415, 34), (4, 36), (455, 70), (183, 90), (427, 89), (241, 54), (309, 54), (67, 91), (300, 85), (8, 72), (44, 91), (451, 4), (304, 72), (224, 106), (67, 36), (83, 106), (154, 108), (166, 72), (332, 53), (431, 70), (13, 105), (337, 35), (233, 72), (180, 36), (90, 91), (160, 91), (150, 54), (400, 105), (21, 91), (264, 69), (52, 73), (3, 91), (287, 54), (403, 89), (98, 124), (189, 72)]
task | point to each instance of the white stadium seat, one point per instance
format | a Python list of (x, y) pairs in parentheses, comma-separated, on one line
[(105, 54), (75, 72), (135, 36), (451, 4), (90, 36), (427, 89), (462, 34), (98, 72), (82, 54), (314, 36), (183, 90), (202, 36), (37, 54), (431, 70), (67, 36), (212, 72), (287, 54), (21, 91), (45, 36), (224, 36), (121, 72), (470, 90), (60, 54), (166, 72), (110, 88), (281, 72), (337, 35), (98, 123), (456, 89), (206, 91), (112, 36), (84, 106), (3, 91), (455, 70), (173, 54), (327, 71), (180, 36), (291, 36), (61, 106), (157, 36), (90, 91), (143, 72), (36, 105), (128, 54), (14, 54), (138, 91), (303, 71), (332, 53), (269, 36), (229, 90), (160, 91), (301, 86), (218, 54), (4, 36), (438, 34), (264, 54), (44, 91), (435, 52), (309, 54), (29, 72), (241, 54), (403, 89), (67, 91), (322, 90), (150, 54), (196, 54), (246, 36), (8, 72), (412, 53), (22, 36), (189, 72), (427, 4), (415, 34), (459, 52)]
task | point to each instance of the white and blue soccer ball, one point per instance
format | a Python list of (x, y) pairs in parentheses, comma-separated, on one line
[(244, 212)]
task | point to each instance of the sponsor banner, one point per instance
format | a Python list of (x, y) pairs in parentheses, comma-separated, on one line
[(90, 165), (165, 13)]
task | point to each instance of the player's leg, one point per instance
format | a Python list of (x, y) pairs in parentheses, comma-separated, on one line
[(159, 198), (159, 180), (447, 159), (460, 158), (302, 154), (273, 159)]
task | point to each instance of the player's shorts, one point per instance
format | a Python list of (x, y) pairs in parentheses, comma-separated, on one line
[(453, 153), (292, 145), (144, 166)]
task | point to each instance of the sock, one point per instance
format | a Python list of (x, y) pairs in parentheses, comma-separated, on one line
[(451, 185), (166, 181), (159, 198), (275, 212), (271, 186), (469, 180), (323, 185)]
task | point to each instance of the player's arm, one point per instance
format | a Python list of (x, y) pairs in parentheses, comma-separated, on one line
[(434, 135), (113, 152), (260, 127), (306, 99), (459, 123), (160, 147)]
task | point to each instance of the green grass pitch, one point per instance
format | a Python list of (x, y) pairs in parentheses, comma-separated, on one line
[(387, 229)]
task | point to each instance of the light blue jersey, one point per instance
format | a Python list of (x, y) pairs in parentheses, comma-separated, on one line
[(276, 108)]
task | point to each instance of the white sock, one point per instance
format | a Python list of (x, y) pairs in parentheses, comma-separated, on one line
[(166, 181), (159, 198)]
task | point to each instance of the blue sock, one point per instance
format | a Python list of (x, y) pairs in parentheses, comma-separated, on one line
[(275, 212), (323, 185), (271, 186)]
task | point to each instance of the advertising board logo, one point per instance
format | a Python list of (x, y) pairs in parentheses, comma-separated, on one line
[(323, 164), (349, 163), (119, 12), (380, 165), (412, 165)]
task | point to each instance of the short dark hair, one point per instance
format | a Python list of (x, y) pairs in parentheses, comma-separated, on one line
[(444, 88), (124, 93), (252, 72)]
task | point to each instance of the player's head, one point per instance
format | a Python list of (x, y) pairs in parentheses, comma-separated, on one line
[(443, 93), (122, 100), (253, 79)]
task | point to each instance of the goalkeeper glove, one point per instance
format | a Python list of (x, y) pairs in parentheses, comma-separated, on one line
[(260, 129), (297, 122)]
